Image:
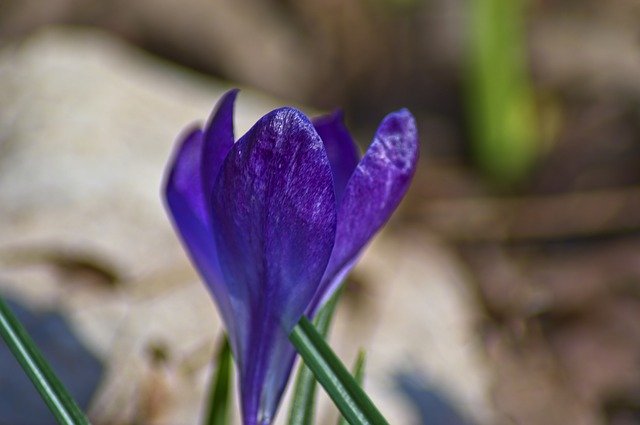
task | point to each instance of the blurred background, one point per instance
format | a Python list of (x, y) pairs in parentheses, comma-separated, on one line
[(506, 289)]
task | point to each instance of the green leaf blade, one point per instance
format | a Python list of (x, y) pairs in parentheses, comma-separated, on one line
[(51, 389), (220, 392), (351, 400), (303, 403), (358, 376)]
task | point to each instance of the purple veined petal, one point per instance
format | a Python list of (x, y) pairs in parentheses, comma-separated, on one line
[(373, 192), (274, 218), (342, 151), (218, 140), (187, 207), (263, 382)]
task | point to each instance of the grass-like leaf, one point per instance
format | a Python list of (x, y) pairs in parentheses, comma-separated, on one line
[(303, 403), (54, 394), (220, 391), (351, 400), (358, 375)]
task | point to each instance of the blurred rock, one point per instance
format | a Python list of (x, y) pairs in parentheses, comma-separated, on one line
[(86, 127)]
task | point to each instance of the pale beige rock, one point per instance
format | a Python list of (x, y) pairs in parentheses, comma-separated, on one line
[(86, 127)]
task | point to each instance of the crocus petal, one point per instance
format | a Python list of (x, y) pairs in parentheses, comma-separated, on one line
[(274, 218), (342, 151), (372, 194), (186, 202), (218, 140)]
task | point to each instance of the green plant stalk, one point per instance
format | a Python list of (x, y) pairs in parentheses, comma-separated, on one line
[(57, 398), (351, 400), (303, 403), (219, 398), (500, 92), (358, 375)]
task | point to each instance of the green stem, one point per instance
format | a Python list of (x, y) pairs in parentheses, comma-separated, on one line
[(220, 392), (358, 375), (351, 400), (303, 403), (60, 403)]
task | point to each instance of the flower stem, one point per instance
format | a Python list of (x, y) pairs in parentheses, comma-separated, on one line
[(303, 403), (358, 375), (220, 392), (348, 396), (60, 403)]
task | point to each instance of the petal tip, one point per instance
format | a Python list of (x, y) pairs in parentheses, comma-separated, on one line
[(403, 120), (230, 95), (185, 154), (399, 134), (287, 118), (289, 110), (223, 107)]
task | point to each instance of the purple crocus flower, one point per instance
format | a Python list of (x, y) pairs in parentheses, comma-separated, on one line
[(274, 222)]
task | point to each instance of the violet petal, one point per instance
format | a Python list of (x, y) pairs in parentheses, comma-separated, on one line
[(342, 151), (274, 218), (186, 202), (373, 192), (218, 140)]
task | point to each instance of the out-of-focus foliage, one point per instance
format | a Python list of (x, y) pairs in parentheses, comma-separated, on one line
[(500, 96)]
